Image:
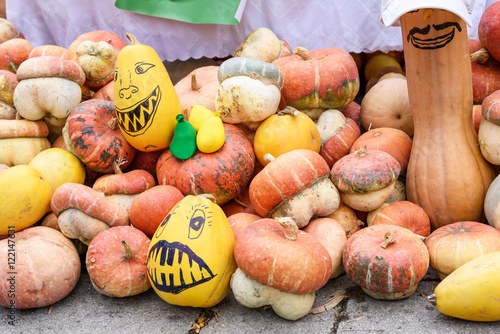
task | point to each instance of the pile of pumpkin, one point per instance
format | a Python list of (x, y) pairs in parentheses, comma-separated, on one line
[(263, 171)]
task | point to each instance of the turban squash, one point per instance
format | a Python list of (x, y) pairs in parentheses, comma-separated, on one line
[(323, 78), (296, 184)]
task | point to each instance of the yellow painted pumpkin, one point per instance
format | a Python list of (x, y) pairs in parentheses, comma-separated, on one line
[(24, 199), (190, 257), (286, 131), (145, 99)]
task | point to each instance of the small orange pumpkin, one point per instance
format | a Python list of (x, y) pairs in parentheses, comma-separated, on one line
[(386, 261)]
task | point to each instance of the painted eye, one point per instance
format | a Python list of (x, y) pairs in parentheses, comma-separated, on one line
[(141, 68), (162, 226), (196, 224)]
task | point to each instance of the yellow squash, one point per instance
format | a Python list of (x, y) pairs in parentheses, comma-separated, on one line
[(190, 257), (24, 199), (472, 291), (145, 99)]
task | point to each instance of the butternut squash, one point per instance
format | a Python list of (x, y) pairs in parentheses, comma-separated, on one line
[(446, 175)]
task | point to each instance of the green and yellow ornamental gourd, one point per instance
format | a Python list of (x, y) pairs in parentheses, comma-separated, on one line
[(145, 99), (190, 257)]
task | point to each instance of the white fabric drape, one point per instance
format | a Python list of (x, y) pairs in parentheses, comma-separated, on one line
[(352, 25)]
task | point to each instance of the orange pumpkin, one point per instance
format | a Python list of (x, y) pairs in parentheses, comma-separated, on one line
[(365, 178), (116, 261), (91, 135), (453, 245), (157, 202), (279, 255), (405, 214), (323, 78), (386, 261), (199, 87), (223, 174), (394, 141), (296, 184)]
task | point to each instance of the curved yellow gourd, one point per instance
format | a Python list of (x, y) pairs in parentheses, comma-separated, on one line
[(190, 257), (24, 199), (145, 100), (472, 291)]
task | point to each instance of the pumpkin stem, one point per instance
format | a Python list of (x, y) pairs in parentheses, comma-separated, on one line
[(289, 110), (289, 226), (432, 299), (268, 157), (361, 152), (129, 253), (388, 239), (302, 52), (116, 165), (194, 83), (207, 196), (112, 123), (132, 39), (481, 56), (240, 202)]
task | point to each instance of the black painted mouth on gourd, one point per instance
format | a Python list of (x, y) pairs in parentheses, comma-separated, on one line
[(199, 272), (135, 120), (433, 43)]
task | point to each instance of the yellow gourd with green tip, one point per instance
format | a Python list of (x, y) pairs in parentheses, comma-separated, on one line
[(145, 100), (198, 115), (211, 136), (190, 258)]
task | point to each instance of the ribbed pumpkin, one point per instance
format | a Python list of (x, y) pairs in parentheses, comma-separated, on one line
[(453, 245), (223, 174), (386, 261), (323, 78), (90, 133), (190, 257), (285, 131), (446, 175), (146, 101)]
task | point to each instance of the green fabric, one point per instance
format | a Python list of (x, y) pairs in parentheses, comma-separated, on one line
[(192, 11)]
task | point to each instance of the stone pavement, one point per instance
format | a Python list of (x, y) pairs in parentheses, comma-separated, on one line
[(84, 310)]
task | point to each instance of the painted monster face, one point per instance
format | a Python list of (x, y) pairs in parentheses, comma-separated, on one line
[(177, 266), (433, 36), (139, 97), (190, 257)]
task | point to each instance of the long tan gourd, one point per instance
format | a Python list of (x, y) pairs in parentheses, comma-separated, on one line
[(446, 175)]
